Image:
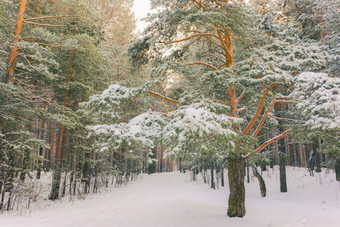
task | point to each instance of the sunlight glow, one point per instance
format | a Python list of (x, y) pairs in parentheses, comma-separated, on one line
[(141, 8)]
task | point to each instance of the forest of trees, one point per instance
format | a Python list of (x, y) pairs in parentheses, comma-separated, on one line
[(209, 85)]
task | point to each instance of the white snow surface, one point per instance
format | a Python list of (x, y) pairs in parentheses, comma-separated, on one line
[(172, 199)]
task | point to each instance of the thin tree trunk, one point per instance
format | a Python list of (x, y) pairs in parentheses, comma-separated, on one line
[(64, 185), (282, 154), (217, 176), (25, 165), (204, 173), (3, 191), (294, 155), (212, 175), (52, 153), (248, 177), (41, 150), (194, 174), (288, 150), (337, 169), (283, 178), (301, 155), (317, 156), (263, 165), (71, 181)]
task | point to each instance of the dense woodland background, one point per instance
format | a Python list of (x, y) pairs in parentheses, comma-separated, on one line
[(209, 85)]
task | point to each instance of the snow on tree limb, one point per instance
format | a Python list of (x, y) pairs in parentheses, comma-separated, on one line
[(257, 114), (267, 143), (318, 98), (163, 97), (144, 129), (107, 104)]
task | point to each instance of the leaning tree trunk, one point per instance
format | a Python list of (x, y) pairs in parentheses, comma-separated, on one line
[(261, 181), (236, 202)]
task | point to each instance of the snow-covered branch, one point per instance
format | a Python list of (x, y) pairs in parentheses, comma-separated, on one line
[(267, 143)]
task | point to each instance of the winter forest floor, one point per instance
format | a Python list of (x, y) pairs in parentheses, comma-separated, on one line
[(171, 199)]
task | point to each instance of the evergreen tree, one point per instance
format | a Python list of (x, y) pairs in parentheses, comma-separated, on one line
[(238, 61)]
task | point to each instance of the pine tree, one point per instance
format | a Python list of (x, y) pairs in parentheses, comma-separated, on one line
[(56, 59)]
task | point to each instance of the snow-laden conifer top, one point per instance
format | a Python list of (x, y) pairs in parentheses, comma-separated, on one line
[(318, 97)]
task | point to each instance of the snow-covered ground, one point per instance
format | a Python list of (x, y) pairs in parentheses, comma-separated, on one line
[(171, 199)]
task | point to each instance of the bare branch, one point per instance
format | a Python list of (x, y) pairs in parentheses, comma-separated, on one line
[(241, 97), (48, 17), (28, 37), (54, 46), (242, 109), (280, 118), (46, 25), (213, 42), (217, 57)]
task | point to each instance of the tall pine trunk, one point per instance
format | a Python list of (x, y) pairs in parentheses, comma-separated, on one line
[(236, 202), (280, 110), (14, 50), (56, 179), (41, 150)]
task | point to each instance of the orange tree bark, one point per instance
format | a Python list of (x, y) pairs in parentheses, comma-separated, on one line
[(14, 50)]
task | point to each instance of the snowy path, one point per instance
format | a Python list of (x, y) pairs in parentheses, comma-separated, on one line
[(170, 199)]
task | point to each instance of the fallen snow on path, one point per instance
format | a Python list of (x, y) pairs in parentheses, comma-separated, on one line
[(171, 199)]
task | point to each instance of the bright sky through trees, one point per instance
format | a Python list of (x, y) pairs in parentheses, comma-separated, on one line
[(141, 9)]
